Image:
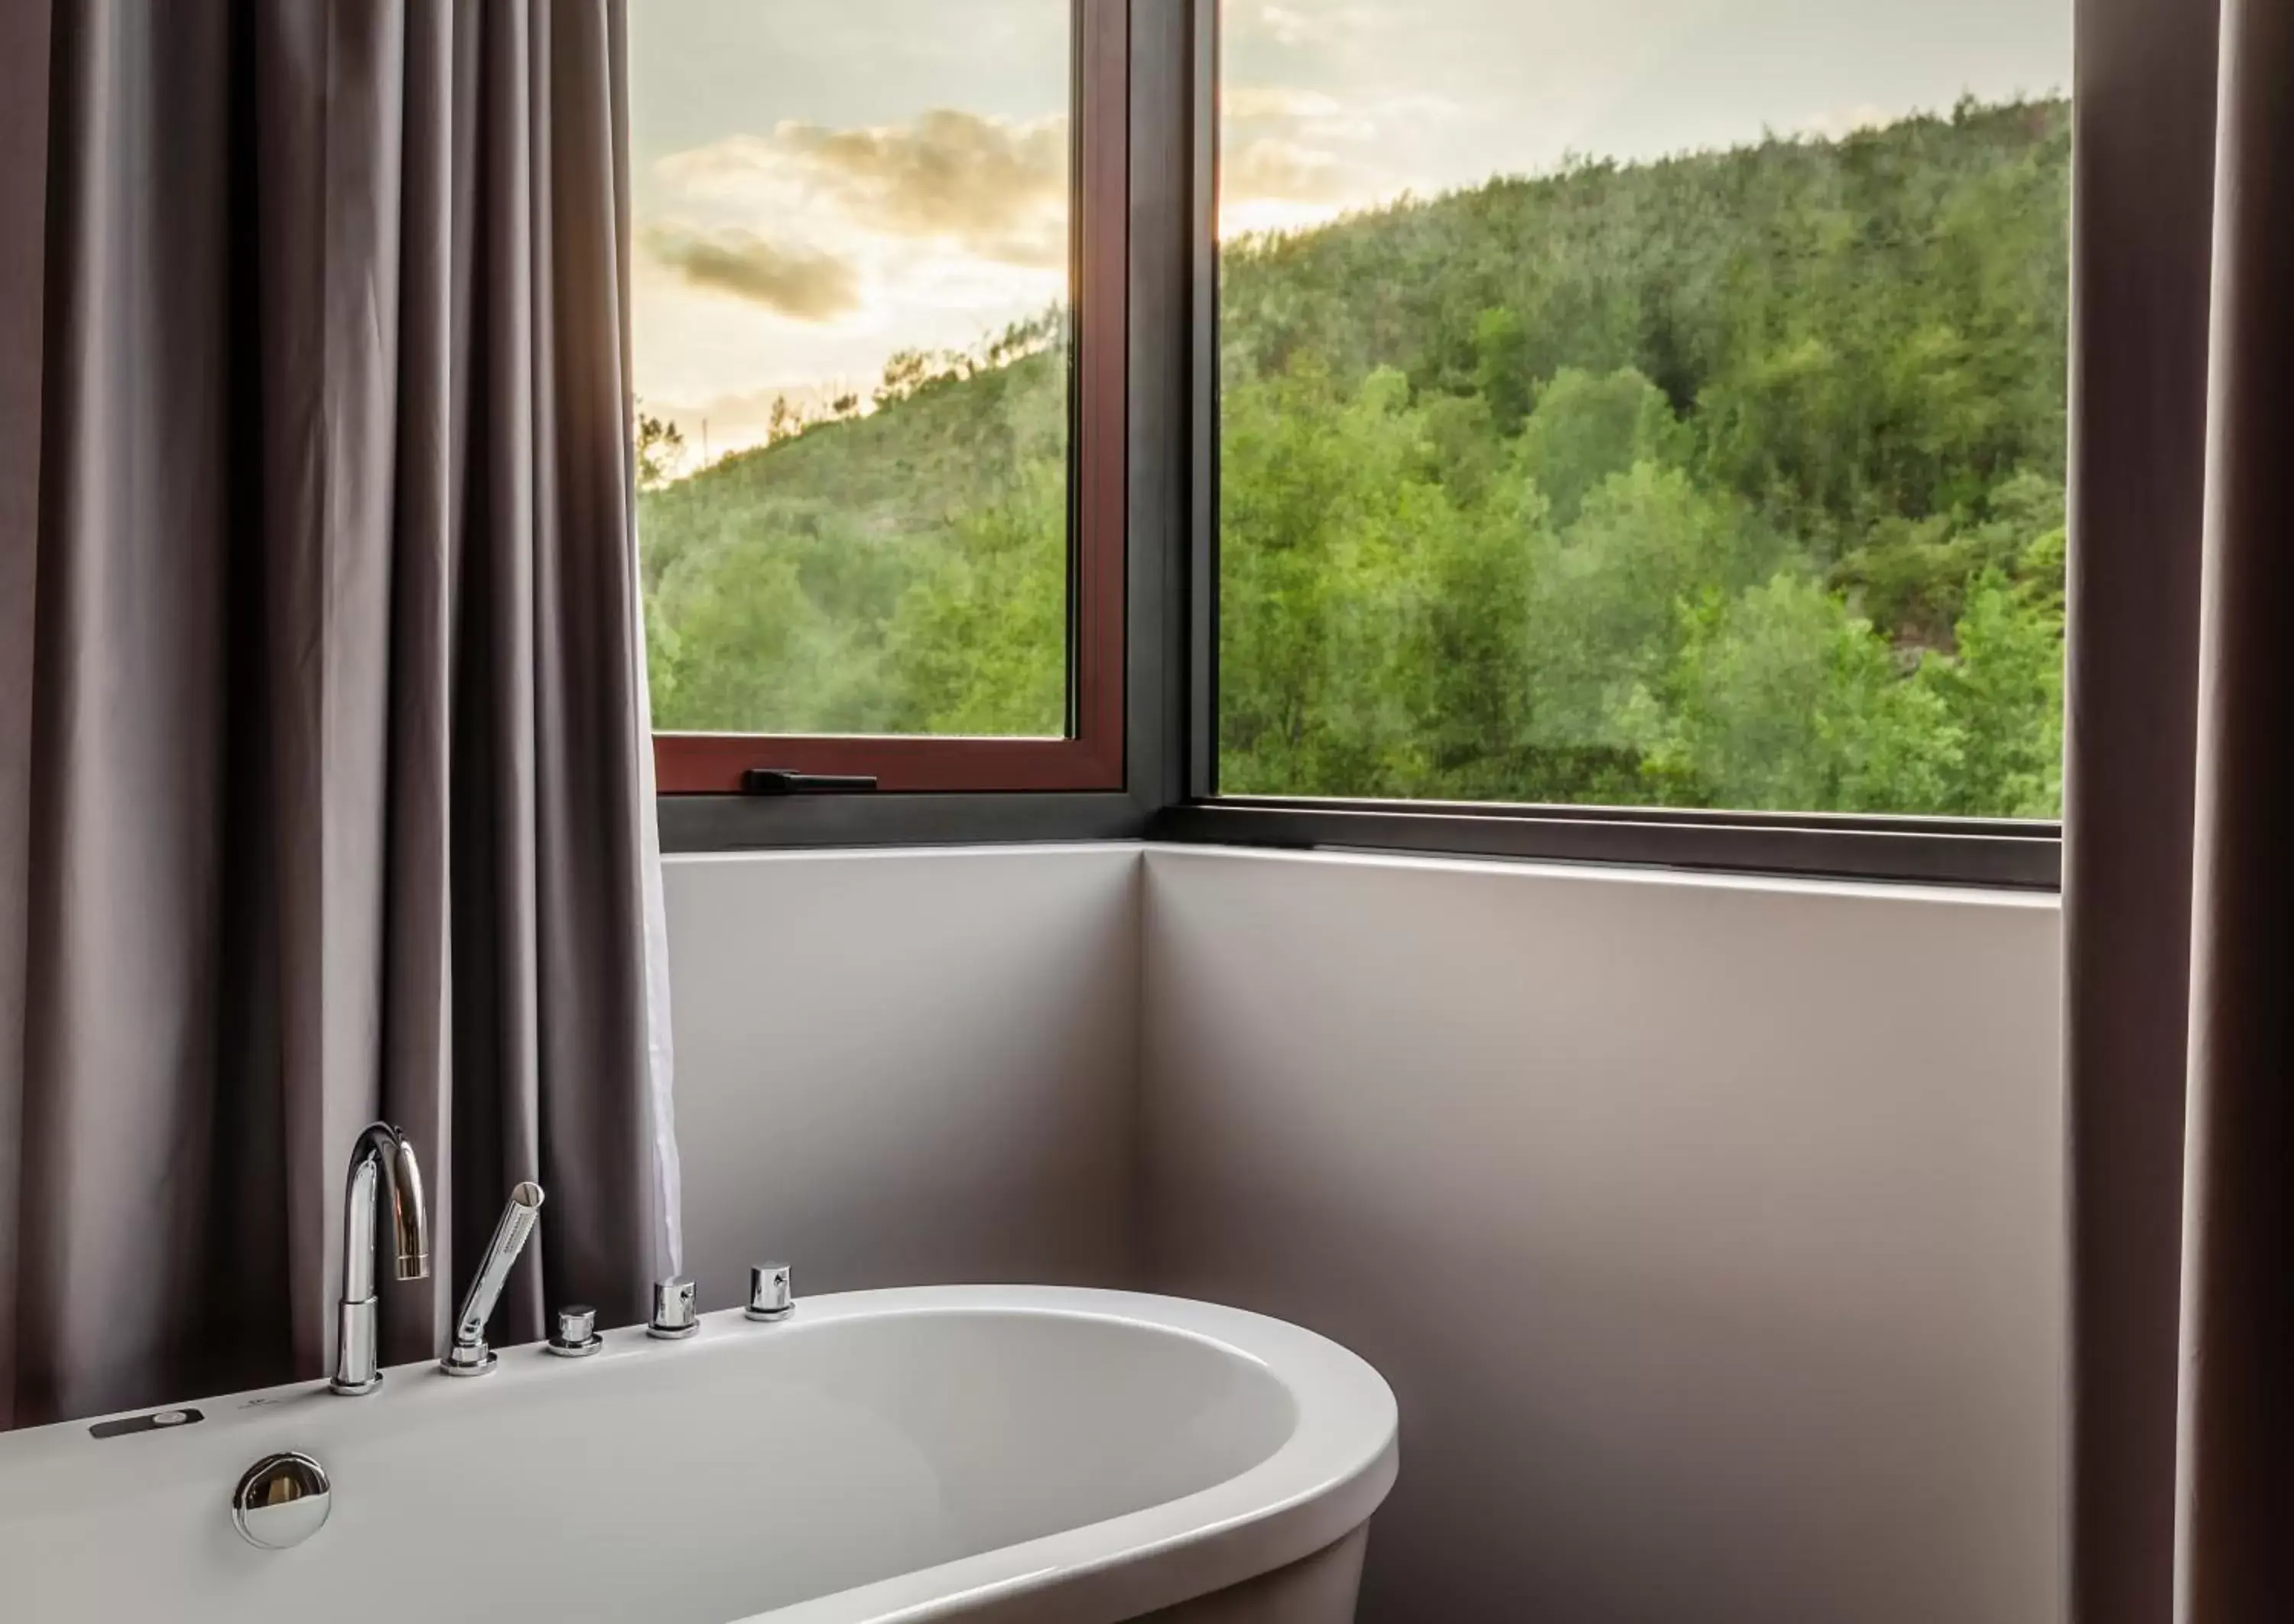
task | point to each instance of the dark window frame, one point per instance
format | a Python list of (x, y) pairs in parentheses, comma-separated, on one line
[(1090, 755), (1167, 788)]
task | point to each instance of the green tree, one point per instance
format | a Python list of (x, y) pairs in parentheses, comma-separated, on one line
[(1730, 480)]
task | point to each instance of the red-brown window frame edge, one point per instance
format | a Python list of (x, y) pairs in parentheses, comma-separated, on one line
[(1091, 757)]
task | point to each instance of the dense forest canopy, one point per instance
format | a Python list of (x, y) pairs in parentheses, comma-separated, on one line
[(1730, 480)]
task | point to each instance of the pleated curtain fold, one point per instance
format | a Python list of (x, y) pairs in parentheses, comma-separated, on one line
[(328, 785)]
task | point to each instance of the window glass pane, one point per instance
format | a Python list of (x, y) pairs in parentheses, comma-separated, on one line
[(1654, 402), (852, 370)]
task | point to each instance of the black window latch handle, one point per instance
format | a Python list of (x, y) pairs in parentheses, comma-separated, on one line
[(781, 780)]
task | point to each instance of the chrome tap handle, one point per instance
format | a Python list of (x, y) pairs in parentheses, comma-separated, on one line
[(769, 1297), (674, 1316), (576, 1335), (469, 1355)]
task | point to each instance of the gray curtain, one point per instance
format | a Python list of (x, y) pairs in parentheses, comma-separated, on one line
[(331, 794), (2234, 1555), (2179, 901)]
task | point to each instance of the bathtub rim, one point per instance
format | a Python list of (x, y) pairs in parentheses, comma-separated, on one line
[(1319, 1485)]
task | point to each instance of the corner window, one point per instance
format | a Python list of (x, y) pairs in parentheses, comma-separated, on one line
[(1616, 433), (1653, 404), (879, 289)]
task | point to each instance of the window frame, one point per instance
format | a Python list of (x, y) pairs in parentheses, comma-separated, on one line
[(1089, 756), (1997, 852), (1168, 791)]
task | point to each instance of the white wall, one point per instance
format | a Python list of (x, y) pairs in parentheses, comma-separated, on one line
[(904, 1066), (1708, 1230)]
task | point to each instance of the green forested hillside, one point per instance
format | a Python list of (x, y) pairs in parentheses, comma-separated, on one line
[(900, 572), (1730, 480)]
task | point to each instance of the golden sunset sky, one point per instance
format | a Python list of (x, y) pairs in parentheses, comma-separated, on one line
[(820, 183)]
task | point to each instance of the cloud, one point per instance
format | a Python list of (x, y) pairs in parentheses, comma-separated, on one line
[(1284, 26), (1270, 168), (1366, 116), (1314, 24), (996, 188), (1256, 103), (798, 283)]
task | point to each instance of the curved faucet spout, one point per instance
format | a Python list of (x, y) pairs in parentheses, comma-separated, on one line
[(383, 1157), (385, 1148)]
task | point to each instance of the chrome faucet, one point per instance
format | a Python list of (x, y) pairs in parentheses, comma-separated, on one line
[(384, 1153), (469, 1355)]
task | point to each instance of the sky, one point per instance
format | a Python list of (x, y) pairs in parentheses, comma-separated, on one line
[(820, 183)]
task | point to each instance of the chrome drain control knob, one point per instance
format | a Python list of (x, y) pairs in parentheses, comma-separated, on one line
[(281, 1501), (576, 1335), (674, 1315), (768, 1291)]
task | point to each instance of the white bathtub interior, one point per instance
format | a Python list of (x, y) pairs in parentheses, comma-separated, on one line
[(876, 1440)]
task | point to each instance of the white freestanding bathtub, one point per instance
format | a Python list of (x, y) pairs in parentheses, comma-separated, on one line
[(995, 1453)]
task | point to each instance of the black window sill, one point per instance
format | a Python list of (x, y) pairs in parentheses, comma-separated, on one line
[(1918, 851)]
